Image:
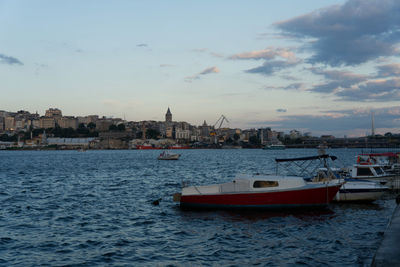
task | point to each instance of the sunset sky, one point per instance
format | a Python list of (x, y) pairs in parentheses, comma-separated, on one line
[(315, 66)]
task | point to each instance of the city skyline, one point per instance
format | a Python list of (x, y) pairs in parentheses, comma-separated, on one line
[(315, 66)]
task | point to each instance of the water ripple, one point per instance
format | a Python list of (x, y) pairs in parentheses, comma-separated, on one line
[(63, 208)]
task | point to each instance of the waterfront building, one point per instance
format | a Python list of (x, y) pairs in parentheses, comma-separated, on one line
[(2, 128)]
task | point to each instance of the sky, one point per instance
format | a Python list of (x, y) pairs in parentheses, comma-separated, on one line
[(322, 67)]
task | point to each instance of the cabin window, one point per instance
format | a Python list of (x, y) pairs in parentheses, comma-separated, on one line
[(262, 184), (378, 170), (364, 172)]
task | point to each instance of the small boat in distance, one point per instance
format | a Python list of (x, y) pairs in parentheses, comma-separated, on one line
[(260, 192), (165, 155), (275, 147)]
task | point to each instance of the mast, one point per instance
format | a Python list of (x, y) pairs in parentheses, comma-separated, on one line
[(372, 124)]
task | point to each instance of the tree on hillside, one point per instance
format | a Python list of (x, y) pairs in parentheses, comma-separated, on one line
[(121, 127), (152, 134), (113, 128), (91, 126)]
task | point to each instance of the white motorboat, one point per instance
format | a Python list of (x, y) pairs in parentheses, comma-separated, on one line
[(375, 173), (165, 155), (360, 190), (351, 190)]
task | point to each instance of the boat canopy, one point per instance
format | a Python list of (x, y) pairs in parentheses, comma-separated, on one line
[(324, 156)]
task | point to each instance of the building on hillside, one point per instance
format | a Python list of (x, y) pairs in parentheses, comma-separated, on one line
[(169, 132), (68, 122), (2, 128), (53, 113), (47, 122), (9, 123), (182, 134), (88, 119), (205, 130), (103, 125)]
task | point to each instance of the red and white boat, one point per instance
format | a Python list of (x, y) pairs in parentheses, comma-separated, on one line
[(260, 191)]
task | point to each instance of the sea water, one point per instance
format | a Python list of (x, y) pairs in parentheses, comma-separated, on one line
[(94, 208)]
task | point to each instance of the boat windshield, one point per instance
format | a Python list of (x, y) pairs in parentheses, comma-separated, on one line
[(364, 172)]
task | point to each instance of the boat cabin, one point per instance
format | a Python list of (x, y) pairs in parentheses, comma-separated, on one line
[(367, 171), (248, 183)]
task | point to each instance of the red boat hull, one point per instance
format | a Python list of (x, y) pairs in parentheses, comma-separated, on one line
[(307, 197), (179, 147), (146, 147)]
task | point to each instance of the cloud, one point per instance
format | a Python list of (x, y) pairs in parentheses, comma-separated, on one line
[(339, 122), (336, 80), (204, 72), (9, 60), (267, 54), (166, 65), (205, 50), (142, 45), (210, 70), (348, 34), (282, 110), (388, 70), (293, 86), (379, 90), (269, 67), (275, 59)]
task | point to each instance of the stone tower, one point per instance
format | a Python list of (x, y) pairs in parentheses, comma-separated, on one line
[(168, 116)]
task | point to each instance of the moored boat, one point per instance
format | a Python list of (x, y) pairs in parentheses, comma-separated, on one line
[(165, 155), (275, 147), (351, 190), (360, 191), (259, 191), (375, 173)]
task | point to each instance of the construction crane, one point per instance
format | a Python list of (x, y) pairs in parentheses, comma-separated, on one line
[(217, 125), (220, 120)]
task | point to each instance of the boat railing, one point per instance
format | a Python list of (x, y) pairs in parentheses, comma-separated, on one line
[(309, 167)]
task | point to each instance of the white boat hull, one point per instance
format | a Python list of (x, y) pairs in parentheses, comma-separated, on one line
[(361, 190)]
